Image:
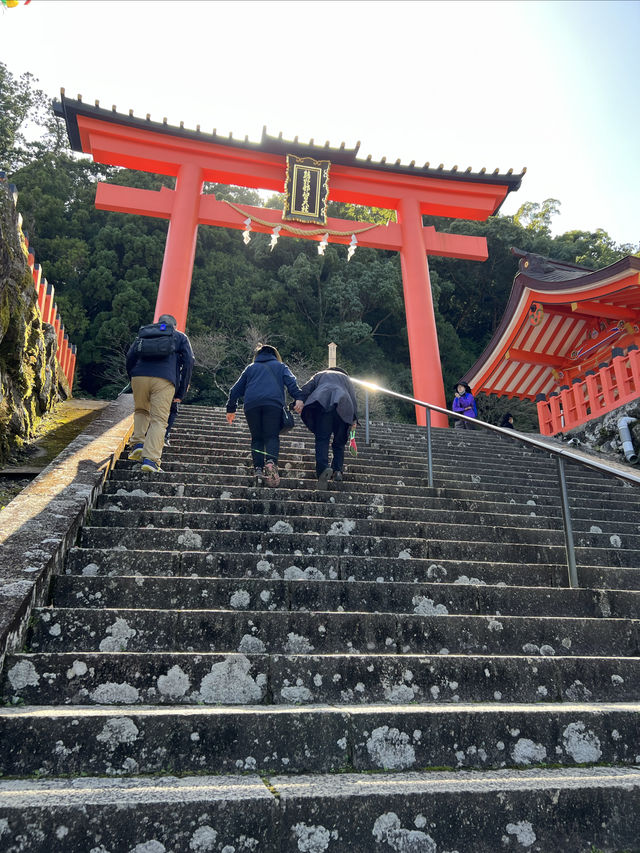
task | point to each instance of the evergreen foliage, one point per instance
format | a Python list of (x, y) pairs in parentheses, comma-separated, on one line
[(106, 268)]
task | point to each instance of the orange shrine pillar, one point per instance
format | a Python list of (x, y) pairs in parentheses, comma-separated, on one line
[(180, 249), (424, 352)]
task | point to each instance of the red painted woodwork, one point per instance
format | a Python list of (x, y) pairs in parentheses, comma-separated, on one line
[(72, 365), (177, 266), (610, 387), (421, 322), (213, 212), (118, 141), (47, 308), (47, 314), (586, 314), (59, 328)]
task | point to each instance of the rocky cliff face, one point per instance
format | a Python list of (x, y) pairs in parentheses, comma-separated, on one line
[(602, 436), (28, 367)]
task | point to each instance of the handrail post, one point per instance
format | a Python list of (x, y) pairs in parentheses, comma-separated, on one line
[(568, 530), (366, 416), (429, 456)]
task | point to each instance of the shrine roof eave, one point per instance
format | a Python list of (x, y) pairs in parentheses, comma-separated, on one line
[(70, 109), (580, 285)]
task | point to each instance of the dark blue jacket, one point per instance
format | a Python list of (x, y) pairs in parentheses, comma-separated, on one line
[(262, 383), (176, 367)]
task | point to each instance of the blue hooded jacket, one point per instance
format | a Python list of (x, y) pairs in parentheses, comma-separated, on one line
[(262, 383)]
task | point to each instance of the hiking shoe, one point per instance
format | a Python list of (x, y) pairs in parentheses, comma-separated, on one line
[(259, 476), (337, 477), (271, 476), (135, 454), (167, 443), (150, 466), (323, 479)]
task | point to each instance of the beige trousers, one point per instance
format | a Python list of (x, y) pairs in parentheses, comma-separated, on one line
[(152, 397)]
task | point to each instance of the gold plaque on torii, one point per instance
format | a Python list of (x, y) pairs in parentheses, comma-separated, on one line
[(306, 190)]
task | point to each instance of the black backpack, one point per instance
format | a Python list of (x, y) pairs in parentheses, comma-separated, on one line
[(155, 341)]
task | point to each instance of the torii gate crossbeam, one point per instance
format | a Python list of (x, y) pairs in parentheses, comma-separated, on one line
[(194, 158)]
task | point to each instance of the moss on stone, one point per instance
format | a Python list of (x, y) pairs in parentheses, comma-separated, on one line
[(28, 368)]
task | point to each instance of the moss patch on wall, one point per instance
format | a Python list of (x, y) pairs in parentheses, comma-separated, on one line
[(29, 385)]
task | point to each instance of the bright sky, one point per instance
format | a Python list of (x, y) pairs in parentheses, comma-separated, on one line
[(553, 86)]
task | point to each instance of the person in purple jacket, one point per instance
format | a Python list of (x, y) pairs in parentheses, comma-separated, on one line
[(464, 404)]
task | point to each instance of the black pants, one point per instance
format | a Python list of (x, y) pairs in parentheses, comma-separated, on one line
[(326, 424), (264, 426), (173, 414)]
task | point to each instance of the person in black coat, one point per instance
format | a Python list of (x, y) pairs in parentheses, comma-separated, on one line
[(507, 421), (330, 408)]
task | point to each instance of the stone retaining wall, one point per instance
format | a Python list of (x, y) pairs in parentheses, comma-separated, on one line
[(39, 526)]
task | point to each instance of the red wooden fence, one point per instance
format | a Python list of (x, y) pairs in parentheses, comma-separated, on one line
[(601, 391), (66, 351)]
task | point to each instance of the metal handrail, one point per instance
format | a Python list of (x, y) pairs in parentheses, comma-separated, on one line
[(560, 454)]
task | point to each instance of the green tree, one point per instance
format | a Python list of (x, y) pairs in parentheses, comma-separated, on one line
[(537, 217)]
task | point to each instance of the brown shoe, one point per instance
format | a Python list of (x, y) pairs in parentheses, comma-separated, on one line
[(271, 476)]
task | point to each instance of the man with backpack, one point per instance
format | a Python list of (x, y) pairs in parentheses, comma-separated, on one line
[(159, 365)]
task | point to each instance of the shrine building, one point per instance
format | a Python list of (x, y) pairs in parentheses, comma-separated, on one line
[(568, 340), (309, 175)]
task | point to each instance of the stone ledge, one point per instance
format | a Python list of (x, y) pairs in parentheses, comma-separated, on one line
[(39, 526)]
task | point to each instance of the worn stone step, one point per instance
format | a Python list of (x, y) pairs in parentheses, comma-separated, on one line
[(306, 594), (428, 498), (280, 540), (498, 466), (503, 528), (506, 529), (377, 507), (537, 463), (482, 446), (320, 512), (51, 741), (500, 488), (123, 678), (589, 556), (106, 561), (362, 506), (509, 481), (348, 492), (134, 482), (90, 629), (153, 814), (537, 810), (471, 812)]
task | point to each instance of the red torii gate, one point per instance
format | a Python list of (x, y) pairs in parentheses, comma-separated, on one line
[(194, 158)]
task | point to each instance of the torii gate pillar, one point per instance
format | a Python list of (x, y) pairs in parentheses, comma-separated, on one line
[(180, 248), (424, 352)]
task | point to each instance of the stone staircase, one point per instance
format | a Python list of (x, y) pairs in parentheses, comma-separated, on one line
[(380, 667)]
